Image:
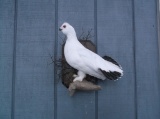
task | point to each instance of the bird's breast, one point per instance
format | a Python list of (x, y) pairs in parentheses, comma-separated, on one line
[(71, 55)]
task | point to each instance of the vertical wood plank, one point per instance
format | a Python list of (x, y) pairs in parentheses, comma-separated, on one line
[(80, 14), (6, 56), (158, 24), (147, 68), (34, 77), (115, 38)]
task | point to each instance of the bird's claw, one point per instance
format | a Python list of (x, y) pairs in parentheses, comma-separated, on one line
[(74, 75), (77, 79)]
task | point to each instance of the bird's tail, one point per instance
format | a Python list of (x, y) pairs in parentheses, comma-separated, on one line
[(112, 61), (112, 75)]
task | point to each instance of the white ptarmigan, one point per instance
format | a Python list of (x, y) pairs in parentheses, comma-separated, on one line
[(86, 61)]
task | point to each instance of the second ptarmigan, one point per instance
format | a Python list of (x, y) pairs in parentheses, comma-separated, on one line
[(86, 61)]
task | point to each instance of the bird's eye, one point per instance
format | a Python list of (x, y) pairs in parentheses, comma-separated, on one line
[(64, 26)]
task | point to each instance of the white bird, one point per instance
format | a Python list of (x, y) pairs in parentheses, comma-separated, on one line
[(86, 61)]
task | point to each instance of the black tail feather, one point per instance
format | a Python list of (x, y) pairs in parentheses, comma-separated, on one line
[(112, 75), (111, 60)]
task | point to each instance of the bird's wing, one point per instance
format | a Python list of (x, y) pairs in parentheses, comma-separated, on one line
[(92, 59), (88, 57), (90, 62), (109, 68)]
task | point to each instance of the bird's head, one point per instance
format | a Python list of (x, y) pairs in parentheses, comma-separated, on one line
[(67, 29)]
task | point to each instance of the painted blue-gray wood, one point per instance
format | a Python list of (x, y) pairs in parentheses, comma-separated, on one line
[(123, 29), (81, 15), (34, 84), (147, 63), (6, 56), (115, 38)]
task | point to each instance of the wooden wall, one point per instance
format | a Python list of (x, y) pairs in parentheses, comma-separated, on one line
[(123, 29)]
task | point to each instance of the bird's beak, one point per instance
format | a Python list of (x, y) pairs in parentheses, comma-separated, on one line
[(60, 29)]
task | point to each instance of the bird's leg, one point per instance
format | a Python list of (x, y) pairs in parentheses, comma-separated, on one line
[(80, 76)]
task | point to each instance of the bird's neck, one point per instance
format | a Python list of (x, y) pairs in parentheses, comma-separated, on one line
[(71, 36), (72, 39)]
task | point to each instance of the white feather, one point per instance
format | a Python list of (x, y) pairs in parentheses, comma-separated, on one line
[(83, 59)]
